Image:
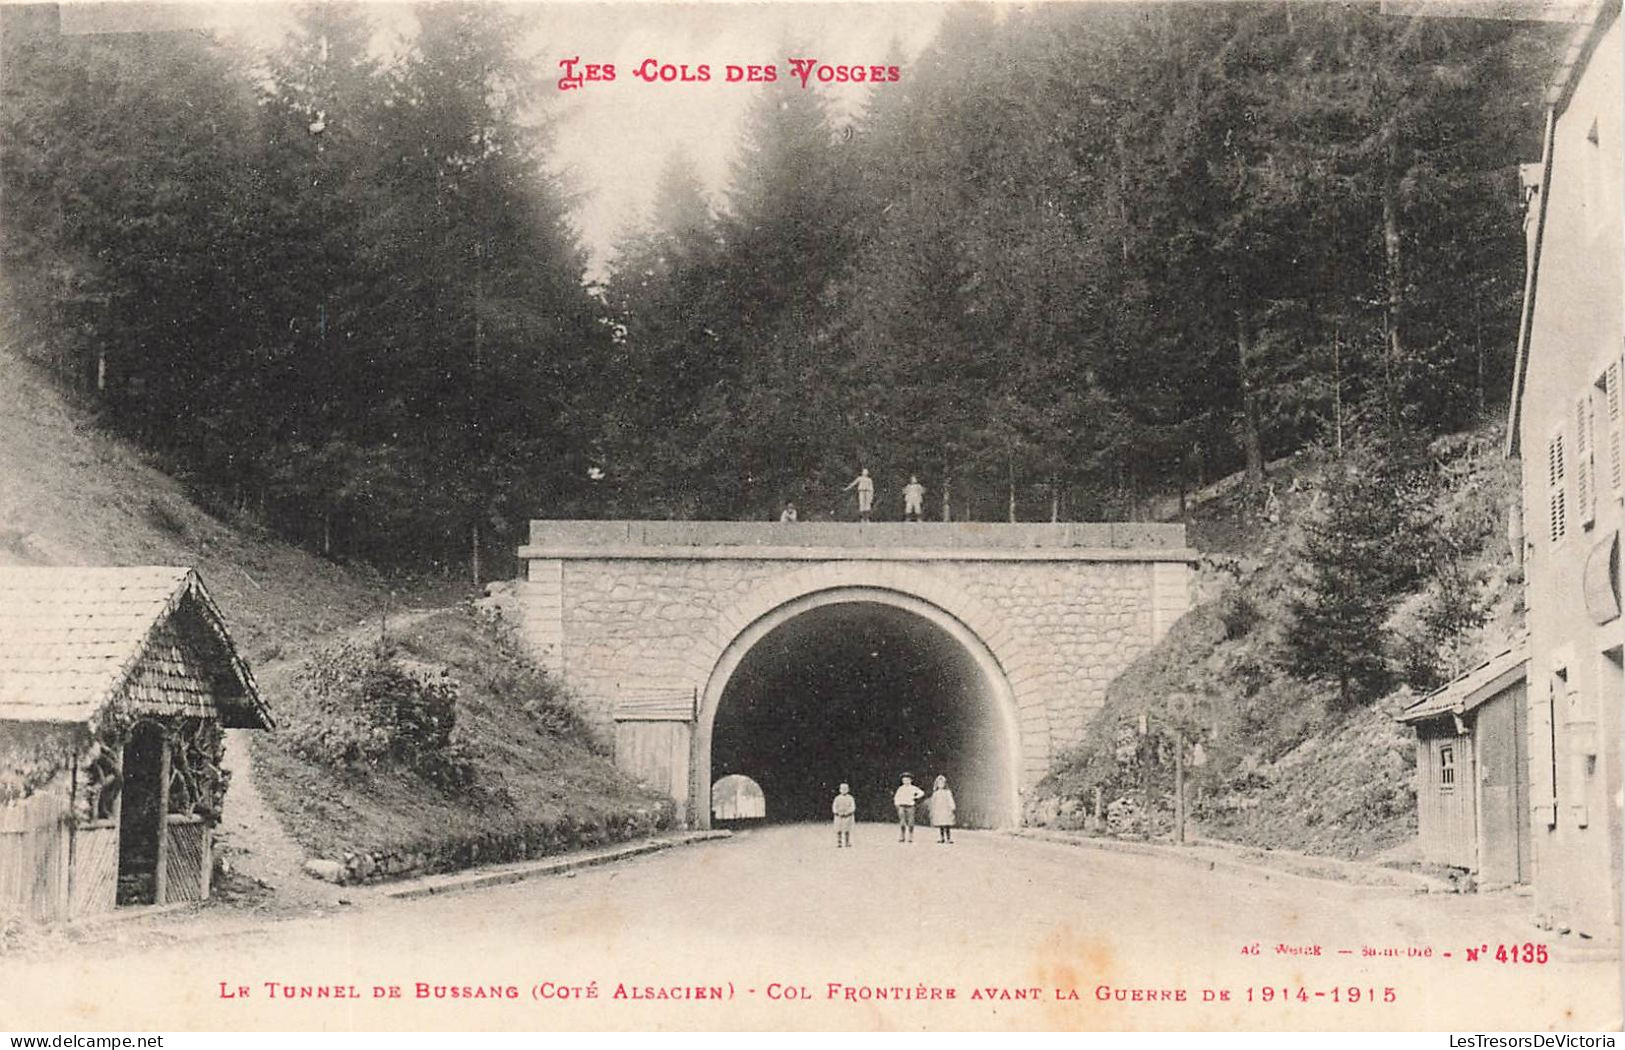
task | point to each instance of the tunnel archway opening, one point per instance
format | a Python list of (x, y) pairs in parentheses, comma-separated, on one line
[(850, 689), (737, 798)]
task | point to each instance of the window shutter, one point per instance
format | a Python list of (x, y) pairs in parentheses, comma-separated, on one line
[(1611, 396), (1542, 765), (1579, 811), (1559, 495), (1582, 461), (1581, 745), (1578, 807)]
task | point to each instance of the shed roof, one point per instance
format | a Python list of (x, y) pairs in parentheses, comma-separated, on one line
[(1482, 683), (72, 640)]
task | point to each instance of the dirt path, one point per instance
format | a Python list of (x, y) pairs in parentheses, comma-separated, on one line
[(400, 620), (251, 837), (252, 840)]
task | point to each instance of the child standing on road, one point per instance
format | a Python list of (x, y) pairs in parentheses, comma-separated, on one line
[(943, 809), (844, 808), (905, 799)]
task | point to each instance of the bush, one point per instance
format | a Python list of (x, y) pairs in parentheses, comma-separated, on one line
[(539, 695), (371, 710), (521, 681), (164, 517), (1237, 612)]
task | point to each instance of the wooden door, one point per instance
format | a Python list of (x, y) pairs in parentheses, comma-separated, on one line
[(1503, 835)]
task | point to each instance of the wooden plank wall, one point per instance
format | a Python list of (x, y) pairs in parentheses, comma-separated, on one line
[(95, 869), (1503, 769), (34, 841), (186, 859), (656, 753), (1446, 816)]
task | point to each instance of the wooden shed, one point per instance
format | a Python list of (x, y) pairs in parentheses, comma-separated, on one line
[(1472, 771), (116, 685)]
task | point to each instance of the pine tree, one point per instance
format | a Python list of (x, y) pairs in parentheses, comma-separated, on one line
[(485, 330), (663, 294), (318, 150), (1364, 549), (1337, 629)]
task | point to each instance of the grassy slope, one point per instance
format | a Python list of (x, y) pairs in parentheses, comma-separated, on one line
[(71, 494), (1283, 771), (537, 789)]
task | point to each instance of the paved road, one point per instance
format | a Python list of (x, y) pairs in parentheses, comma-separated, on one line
[(780, 908)]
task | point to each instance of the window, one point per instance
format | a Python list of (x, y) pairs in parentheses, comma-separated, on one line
[(1607, 393), (1447, 767), (1558, 489), (1585, 465)]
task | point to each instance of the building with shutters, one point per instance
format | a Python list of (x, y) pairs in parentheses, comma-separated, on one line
[(1566, 427)]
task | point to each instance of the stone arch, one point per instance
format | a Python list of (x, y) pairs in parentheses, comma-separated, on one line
[(1006, 658)]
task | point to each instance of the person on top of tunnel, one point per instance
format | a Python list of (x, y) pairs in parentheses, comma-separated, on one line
[(866, 493), (905, 799), (844, 807), (943, 809), (913, 499)]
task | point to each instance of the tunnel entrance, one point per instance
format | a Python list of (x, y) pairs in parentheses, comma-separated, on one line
[(737, 798), (861, 691)]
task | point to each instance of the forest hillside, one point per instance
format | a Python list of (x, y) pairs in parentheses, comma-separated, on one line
[(1288, 759), (1076, 258), (411, 734)]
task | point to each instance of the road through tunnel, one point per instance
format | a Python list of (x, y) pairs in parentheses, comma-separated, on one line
[(860, 692)]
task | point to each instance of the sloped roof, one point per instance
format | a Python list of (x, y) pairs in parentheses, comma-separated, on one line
[(72, 640), (1486, 680)]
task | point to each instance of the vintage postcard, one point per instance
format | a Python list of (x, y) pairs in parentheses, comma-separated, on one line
[(811, 516)]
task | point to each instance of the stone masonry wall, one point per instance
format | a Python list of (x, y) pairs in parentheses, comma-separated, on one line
[(619, 628)]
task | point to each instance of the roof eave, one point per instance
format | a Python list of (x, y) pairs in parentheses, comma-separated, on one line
[(1434, 706), (250, 702), (1599, 18), (1597, 21)]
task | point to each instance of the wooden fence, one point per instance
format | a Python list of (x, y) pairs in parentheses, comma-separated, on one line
[(50, 869), (95, 868), (34, 861), (187, 859)]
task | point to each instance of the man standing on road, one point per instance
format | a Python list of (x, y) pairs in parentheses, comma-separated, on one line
[(866, 493), (907, 797)]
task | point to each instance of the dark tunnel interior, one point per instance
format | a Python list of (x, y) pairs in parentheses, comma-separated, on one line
[(862, 692)]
